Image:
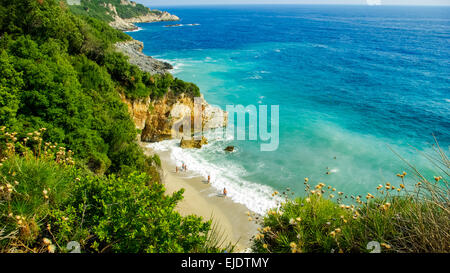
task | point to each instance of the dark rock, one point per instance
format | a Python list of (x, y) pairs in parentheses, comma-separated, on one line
[(229, 149)]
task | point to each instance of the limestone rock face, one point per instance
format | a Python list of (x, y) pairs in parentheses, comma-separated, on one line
[(138, 110), (153, 17), (164, 118), (126, 24), (193, 143)]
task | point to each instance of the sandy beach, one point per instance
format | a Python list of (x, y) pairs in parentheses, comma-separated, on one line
[(203, 200)]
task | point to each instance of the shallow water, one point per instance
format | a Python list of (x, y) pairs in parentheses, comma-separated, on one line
[(351, 82)]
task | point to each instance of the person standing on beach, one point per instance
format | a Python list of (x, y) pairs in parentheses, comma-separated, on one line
[(176, 169), (209, 178), (225, 192)]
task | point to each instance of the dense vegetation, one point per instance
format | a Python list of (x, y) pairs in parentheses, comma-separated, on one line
[(82, 177), (97, 9), (48, 204), (60, 71), (401, 217)]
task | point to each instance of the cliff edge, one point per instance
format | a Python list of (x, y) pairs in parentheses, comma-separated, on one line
[(120, 14)]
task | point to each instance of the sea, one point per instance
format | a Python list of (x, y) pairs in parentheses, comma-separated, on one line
[(362, 91)]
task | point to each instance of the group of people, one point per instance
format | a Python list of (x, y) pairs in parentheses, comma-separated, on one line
[(184, 168)]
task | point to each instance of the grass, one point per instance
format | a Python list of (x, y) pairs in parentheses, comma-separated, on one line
[(412, 216)]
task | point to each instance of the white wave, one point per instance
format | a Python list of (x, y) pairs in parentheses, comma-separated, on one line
[(227, 174), (136, 30)]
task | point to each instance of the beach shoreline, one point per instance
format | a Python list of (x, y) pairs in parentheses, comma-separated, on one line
[(203, 200)]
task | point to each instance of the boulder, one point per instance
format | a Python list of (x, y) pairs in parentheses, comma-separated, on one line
[(229, 149), (193, 143)]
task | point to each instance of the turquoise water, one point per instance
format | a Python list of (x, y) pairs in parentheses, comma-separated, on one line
[(351, 81)]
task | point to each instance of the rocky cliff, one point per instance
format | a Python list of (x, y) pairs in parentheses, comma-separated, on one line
[(133, 49), (157, 118), (121, 14), (126, 24)]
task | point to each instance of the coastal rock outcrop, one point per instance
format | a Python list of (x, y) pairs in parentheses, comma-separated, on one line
[(193, 143), (127, 24), (122, 15), (158, 119), (133, 49)]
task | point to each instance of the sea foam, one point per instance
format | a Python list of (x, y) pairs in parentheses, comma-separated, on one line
[(226, 174)]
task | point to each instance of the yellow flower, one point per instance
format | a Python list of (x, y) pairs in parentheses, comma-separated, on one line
[(308, 200), (298, 219), (265, 246), (47, 241), (306, 179), (385, 245), (333, 234), (292, 245), (51, 248), (338, 230)]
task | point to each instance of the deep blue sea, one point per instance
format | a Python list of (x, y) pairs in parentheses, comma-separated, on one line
[(352, 83)]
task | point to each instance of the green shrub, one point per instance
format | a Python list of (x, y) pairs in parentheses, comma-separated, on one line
[(48, 200)]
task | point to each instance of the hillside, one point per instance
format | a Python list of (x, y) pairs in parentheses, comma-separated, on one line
[(70, 165), (120, 14)]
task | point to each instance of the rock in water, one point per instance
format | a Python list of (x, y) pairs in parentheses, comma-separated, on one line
[(193, 143), (229, 149)]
